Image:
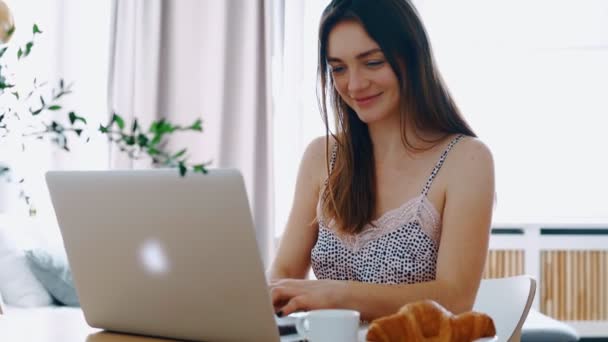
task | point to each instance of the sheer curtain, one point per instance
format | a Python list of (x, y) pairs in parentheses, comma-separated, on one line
[(73, 46), (180, 60), (529, 76), (296, 119), (190, 59)]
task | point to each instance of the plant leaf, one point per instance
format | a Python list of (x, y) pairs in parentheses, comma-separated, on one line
[(35, 29), (3, 50), (119, 121), (19, 53), (28, 48), (197, 126), (156, 139), (142, 140), (5, 85), (36, 112), (54, 107), (179, 154), (57, 127), (129, 140), (152, 151), (161, 126), (182, 169), (200, 168), (103, 129), (135, 126), (73, 118)]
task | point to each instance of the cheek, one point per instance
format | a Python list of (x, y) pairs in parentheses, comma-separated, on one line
[(341, 88), (389, 79)]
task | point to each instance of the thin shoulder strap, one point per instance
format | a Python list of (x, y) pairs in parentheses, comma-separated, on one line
[(437, 167), (332, 159)]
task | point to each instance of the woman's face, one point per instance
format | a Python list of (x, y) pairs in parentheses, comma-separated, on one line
[(361, 74)]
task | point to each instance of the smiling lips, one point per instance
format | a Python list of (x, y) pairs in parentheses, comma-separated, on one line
[(367, 100)]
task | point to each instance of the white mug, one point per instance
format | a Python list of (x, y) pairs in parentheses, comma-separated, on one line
[(329, 325)]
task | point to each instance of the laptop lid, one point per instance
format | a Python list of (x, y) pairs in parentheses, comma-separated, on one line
[(157, 254)]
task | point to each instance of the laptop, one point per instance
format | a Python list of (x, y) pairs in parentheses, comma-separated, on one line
[(153, 253)]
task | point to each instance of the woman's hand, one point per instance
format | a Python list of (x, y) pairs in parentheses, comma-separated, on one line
[(291, 295)]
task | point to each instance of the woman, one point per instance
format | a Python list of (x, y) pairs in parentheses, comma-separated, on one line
[(395, 206)]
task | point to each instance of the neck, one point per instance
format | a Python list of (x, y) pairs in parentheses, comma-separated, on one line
[(388, 144)]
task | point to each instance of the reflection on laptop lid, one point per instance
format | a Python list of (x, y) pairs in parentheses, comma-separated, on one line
[(154, 253)]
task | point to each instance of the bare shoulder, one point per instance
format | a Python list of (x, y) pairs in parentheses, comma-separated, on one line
[(316, 156), (317, 149), (471, 157)]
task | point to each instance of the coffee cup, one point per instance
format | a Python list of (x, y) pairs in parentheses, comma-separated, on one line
[(329, 325)]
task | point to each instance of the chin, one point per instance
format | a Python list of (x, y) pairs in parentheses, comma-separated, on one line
[(371, 116), (378, 112)]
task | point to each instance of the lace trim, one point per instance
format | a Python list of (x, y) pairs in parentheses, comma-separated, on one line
[(418, 209)]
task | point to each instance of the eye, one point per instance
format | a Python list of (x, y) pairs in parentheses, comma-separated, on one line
[(336, 70), (374, 63)]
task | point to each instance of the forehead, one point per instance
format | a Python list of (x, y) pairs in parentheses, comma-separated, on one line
[(348, 39)]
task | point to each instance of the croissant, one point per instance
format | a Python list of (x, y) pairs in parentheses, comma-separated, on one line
[(427, 321)]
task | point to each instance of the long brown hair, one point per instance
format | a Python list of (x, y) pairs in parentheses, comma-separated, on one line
[(349, 198)]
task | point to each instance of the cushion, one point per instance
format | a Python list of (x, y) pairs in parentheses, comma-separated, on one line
[(541, 328), (18, 285), (53, 271)]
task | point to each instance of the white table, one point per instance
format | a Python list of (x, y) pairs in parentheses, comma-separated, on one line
[(67, 324)]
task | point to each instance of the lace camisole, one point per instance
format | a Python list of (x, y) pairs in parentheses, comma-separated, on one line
[(400, 247)]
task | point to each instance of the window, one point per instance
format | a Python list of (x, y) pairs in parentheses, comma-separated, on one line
[(529, 76), (74, 45)]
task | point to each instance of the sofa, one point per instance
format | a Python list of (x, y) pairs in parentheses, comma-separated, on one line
[(34, 273)]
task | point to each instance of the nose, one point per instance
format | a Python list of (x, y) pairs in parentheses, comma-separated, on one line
[(357, 81)]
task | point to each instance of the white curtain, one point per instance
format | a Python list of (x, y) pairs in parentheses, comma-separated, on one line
[(73, 46), (297, 119), (190, 59)]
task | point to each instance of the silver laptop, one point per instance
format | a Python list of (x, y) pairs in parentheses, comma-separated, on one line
[(153, 253)]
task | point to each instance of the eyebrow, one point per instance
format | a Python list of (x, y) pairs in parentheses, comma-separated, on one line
[(359, 56)]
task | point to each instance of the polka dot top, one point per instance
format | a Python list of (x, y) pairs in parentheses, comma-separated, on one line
[(400, 247)]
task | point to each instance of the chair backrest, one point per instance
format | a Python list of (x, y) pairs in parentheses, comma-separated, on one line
[(507, 301)]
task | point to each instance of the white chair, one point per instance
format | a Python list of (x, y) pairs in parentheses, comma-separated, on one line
[(540, 328), (507, 301)]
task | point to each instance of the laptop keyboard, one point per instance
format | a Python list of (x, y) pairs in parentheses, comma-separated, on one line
[(287, 325)]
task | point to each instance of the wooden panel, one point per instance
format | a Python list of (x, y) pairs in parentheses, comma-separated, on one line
[(504, 263), (573, 284)]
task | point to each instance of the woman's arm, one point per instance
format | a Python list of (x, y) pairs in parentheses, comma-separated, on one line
[(461, 258), (293, 256)]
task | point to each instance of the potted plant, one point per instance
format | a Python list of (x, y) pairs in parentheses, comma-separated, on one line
[(29, 113)]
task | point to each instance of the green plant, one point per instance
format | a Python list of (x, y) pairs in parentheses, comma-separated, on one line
[(39, 114)]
